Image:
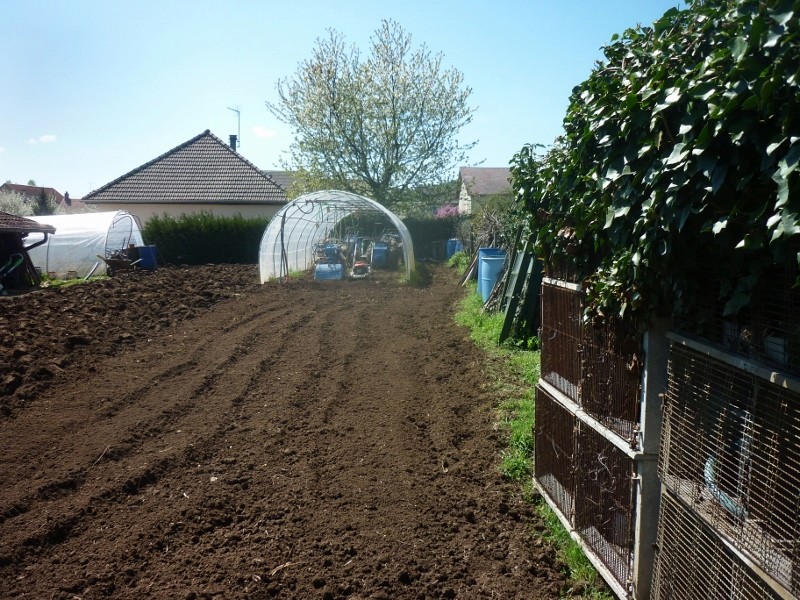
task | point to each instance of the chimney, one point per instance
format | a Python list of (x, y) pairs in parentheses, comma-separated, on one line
[(233, 141)]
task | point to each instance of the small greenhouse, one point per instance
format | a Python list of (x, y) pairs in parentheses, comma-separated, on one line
[(80, 239), (294, 236)]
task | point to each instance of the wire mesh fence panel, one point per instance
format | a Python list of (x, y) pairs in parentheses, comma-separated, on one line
[(767, 330), (693, 563), (554, 448), (610, 384), (560, 339), (604, 502), (731, 452), (597, 365)]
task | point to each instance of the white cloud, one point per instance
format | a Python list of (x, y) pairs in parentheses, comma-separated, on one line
[(2, 149), (264, 132), (48, 138)]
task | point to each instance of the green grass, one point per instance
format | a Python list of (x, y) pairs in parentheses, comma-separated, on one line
[(459, 261), (514, 372)]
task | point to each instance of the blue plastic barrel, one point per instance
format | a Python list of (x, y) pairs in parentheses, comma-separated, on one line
[(490, 265), (327, 271), (148, 256), (453, 245), (380, 255)]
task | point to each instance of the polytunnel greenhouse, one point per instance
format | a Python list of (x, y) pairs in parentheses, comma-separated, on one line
[(335, 234), (81, 239)]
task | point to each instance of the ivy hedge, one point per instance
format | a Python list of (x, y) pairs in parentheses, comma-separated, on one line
[(679, 159)]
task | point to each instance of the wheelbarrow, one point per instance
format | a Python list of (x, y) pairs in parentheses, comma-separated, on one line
[(115, 264)]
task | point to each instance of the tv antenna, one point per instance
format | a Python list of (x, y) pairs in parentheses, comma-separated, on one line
[(238, 126)]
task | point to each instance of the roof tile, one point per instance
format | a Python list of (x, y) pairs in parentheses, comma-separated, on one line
[(486, 181)]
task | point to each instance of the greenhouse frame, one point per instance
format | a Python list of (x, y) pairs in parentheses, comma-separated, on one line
[(81, 239), (288, 244)]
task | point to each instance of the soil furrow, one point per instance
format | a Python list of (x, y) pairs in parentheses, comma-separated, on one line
[(213, 438)]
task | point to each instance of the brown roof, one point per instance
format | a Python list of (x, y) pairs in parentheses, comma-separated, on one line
[(33, 191), (12, 224), (485, 181), (203, 170), (282, 178)]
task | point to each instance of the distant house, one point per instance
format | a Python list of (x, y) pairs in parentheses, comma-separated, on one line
[(72, 205), (284, 179), (35, 194), (40, 195), (476, 185), (203, 174)]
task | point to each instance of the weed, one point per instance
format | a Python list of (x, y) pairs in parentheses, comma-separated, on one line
[(459, 261)]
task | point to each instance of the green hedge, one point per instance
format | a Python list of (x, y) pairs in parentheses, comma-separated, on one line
[(203, 238)]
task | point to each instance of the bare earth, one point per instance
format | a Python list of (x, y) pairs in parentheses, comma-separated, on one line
[(190, 433)]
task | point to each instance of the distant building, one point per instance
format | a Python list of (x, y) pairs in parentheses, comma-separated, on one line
[(34, 193), (204, 174), (476, 185), (284, 179), (39, 195)]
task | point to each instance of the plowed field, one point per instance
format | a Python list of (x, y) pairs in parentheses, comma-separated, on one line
[(189, 433)]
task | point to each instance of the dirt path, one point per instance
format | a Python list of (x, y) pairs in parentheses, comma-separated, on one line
[(191, 434)]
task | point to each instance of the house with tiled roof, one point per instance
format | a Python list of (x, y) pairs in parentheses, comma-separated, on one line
[(204, 174), (477, 185)]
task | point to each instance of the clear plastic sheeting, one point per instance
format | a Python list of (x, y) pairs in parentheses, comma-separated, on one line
[(293, 233), (79, 240)]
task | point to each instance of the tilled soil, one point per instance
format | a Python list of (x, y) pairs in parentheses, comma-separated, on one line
[(189, 433)]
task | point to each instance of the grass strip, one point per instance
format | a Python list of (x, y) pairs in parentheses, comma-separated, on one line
[(515, 371)]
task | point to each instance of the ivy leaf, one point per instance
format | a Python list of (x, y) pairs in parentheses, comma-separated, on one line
[(673, 95), (751, 242), (767, 90), (613, 213), (719, 226), (774, 146), (684, 215), (782, 18), (679, 154), (789, 162), (773, 37), (719, 177), (783, 189), (788, 224), (739, 48)]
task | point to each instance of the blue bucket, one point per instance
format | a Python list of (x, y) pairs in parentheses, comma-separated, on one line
[(490, 265)]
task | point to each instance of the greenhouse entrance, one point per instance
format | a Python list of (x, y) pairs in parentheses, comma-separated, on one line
[(335, 235)]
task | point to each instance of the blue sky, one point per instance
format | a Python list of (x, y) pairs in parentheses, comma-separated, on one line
[(95, 88)]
